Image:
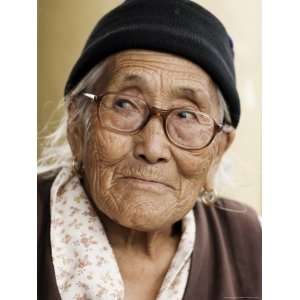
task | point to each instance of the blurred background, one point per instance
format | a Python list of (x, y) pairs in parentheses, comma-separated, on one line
[(63, 27)]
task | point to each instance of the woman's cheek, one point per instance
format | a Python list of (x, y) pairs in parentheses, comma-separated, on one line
[(102, 144), (192, 165), (113, 146), (110, 147), (103, 151)]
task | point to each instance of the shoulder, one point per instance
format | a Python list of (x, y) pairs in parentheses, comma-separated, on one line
[(46, 282), (234, 228), (46, 176), (238, 213), (235, 210), (230, 233), (236, 221), (44, 184)]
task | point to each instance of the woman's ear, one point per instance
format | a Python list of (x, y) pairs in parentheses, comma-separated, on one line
[(229, 136), (74, 131), (226, 138)]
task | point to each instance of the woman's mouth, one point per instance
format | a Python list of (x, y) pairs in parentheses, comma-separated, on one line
[(148, 184)]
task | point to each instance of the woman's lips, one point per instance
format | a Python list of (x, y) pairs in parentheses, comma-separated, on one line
[(147, 183)]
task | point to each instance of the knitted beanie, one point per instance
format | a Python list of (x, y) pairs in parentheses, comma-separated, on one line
[(180, 27)]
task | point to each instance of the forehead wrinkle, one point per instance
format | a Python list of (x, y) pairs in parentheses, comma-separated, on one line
[(163, 62), (159, 66), (147, 56), (195, 71), (134, 74), (160, 60), (156, 57), (135, 66)]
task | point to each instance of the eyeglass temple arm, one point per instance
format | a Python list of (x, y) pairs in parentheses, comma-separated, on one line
[(90, 96)]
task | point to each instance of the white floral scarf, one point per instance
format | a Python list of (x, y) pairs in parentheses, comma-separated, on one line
[(84, 262)]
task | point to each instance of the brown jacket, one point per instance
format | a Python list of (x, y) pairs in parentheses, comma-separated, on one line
[(226, 261)]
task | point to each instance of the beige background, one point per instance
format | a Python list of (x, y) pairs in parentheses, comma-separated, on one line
[(63, 26)]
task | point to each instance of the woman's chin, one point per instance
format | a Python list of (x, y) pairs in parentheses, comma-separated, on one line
[(141, 223), (146, 214), (143, 210)]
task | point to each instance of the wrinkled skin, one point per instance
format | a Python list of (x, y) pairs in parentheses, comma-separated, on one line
[(138, 214)]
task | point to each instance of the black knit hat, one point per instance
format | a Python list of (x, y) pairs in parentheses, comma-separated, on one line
[(180, 27)]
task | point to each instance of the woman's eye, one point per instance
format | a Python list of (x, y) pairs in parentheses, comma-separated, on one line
[(123, 103), (186, 115)]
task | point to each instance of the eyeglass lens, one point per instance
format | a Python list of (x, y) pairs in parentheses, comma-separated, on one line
[(185, 126)]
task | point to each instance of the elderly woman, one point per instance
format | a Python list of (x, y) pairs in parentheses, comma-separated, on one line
[(151, 108)]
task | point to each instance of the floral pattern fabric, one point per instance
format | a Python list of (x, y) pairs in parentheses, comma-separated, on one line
[(84, 262)]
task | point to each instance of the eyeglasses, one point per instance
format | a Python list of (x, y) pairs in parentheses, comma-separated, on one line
[(186, 127)]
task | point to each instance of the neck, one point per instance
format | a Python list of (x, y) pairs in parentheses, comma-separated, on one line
[(149, 244)]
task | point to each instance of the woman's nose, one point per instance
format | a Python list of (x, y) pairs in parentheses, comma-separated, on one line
[(153, 146)]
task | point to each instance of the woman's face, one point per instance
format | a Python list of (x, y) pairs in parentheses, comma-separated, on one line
[(143, 181)]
